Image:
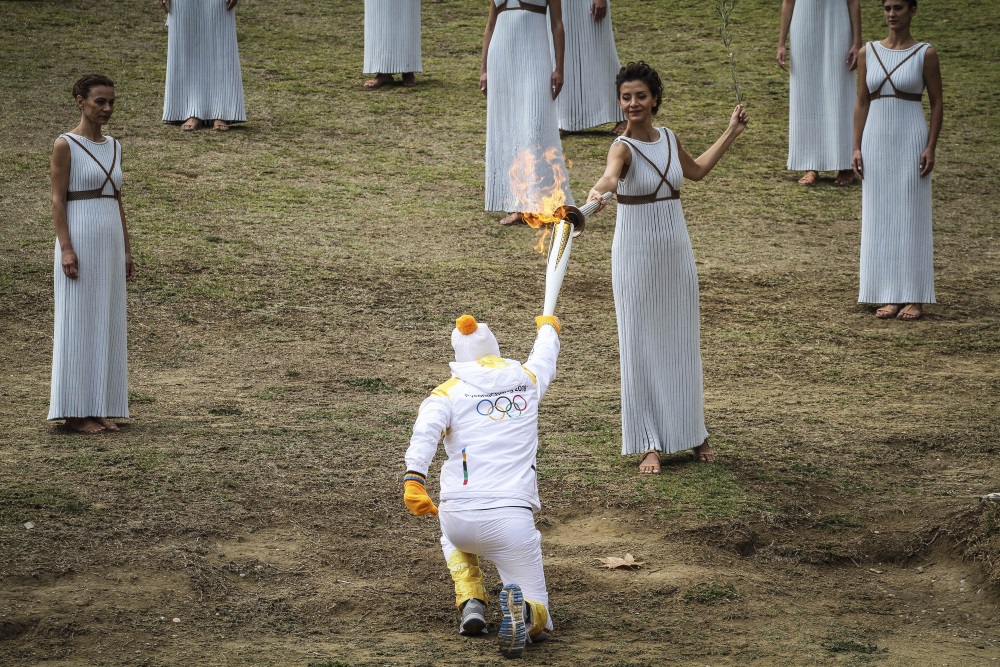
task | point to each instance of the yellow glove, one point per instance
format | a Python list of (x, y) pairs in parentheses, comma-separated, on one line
[(542, 320), (415, 495)]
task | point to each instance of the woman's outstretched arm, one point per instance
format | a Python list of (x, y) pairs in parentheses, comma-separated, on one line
[(698, 168), (619, 157)]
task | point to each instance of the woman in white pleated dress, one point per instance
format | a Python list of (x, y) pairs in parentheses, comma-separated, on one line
[(894, 155), (93, 260), (826, 37), (592, 63), (653, 274), (204, 79), (521, 83), (392, 41)]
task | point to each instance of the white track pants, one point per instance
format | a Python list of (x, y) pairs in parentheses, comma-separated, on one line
[(506, 536)]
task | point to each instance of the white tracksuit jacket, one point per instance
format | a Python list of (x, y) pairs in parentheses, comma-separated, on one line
[(488, 414)]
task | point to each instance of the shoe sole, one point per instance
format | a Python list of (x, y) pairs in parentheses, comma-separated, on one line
[(513, 633)]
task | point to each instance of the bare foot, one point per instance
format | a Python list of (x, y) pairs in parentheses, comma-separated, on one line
[(84, 425), (810, 178), (649, 464), (844, 178), (220, 126), (106, 423), (191, 124), (888, 311), (379, 81), (409, 79), (704, 453), (912, 311), (619, 128), (512, 219)]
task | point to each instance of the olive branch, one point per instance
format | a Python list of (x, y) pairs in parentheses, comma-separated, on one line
[(725, 8)]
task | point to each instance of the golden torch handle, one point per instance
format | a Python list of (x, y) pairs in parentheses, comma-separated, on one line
[(560, 243), (555, 270)]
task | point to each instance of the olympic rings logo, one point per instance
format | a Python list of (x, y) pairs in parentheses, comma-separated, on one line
[(503, 407)]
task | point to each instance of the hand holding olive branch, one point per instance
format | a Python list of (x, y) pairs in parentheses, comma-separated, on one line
[(725, 8)]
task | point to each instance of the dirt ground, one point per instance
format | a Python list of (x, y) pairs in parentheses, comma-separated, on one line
[(298, 282), (707, 596)]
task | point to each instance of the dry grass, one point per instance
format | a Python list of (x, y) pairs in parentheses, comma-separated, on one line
[(298, 279)]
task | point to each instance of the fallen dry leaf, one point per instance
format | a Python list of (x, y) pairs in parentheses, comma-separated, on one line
[(627, 563)]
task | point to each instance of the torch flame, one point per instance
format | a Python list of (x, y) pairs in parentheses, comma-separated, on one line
[(539, 203)]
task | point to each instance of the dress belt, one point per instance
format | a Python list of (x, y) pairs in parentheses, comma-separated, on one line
[(644, 199), (909, 97), (92, 194), (538, 9)]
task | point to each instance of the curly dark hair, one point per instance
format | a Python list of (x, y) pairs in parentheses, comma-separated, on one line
[(640, 71), (85, 83)]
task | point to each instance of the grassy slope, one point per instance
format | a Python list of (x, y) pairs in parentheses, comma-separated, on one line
[(298, 280)]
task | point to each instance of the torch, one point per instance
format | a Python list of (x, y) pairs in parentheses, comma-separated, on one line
[(560, 242)]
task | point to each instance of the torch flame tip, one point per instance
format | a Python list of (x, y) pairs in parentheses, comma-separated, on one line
[(541, 204)]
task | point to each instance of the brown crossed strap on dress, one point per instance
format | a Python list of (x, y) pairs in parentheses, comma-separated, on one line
[(650, 198), (538, 9), (96, 193), (896, 92)]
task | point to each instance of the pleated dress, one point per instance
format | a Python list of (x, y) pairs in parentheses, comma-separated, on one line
[(520, 112), (204, 79), (655, 286), (897, 243), (588, 97), (89, 352), (821, 88), (392, 36)]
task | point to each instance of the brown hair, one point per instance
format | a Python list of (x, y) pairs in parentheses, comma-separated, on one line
[(85, 83)]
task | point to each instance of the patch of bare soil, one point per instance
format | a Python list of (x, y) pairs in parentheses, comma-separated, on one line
[(245, 517), (374, 592), (249, 516)]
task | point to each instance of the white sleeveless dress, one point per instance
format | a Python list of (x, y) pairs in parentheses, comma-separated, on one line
[(897, 243), (821, 88), (520, 112), (392, 36), (89, 352), (588, 97), (204, 79), (655, 285)]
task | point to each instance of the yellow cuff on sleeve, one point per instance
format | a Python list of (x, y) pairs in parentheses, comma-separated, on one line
[(542, 320)]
